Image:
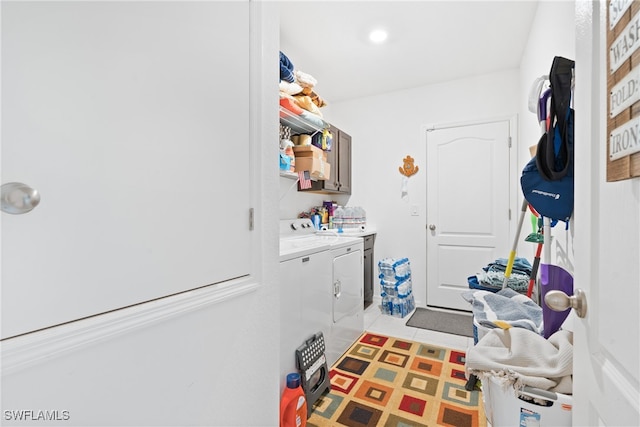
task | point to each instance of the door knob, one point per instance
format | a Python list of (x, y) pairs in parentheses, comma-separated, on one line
[(559, 301), (432, 227), (18, 198)]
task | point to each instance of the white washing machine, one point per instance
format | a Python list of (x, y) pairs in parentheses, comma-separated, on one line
[(321, 290), (305, 300)]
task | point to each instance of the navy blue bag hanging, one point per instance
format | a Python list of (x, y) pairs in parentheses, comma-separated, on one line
[(547, 180)]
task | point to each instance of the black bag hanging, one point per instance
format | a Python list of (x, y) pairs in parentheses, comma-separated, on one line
[(554, 156), (547, 180)]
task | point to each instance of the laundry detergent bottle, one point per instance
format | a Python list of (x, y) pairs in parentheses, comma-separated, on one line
[(293, 406)]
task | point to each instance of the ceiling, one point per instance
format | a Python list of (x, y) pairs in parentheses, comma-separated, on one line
[(429, 42)]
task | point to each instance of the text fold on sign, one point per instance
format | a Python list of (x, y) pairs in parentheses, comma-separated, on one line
[(625, 93)]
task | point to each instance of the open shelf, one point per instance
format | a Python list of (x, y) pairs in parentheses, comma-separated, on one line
[(292, 175), (289, 175), (299, 124)]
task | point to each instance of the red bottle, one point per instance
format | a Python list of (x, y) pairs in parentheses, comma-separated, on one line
[(293, 406)]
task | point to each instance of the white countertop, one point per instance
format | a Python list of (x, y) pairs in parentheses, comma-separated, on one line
[(348, 232)]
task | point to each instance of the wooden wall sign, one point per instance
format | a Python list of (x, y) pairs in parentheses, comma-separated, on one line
[(623, 90)]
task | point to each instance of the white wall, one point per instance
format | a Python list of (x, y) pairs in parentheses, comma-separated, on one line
[(387, 128), (552, 34), (292, 201)]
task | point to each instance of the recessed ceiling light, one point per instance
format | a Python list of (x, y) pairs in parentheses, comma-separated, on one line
[(378, 36)]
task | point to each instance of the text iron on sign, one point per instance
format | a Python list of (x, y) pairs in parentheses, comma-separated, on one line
[(625, 140)]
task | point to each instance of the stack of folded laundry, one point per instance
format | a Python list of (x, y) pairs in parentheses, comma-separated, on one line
[(297, 92), (491, 278)]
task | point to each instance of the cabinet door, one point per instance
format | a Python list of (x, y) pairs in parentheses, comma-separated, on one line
[(333, 183), (344, 162), (340, 160), (368, 277), (121, 115)]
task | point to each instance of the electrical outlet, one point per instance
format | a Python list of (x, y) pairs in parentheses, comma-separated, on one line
[(415, 211)]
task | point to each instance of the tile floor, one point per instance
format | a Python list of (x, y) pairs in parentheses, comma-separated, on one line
[(376, 322)]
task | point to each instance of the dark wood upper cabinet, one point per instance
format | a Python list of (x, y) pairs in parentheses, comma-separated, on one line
[(340, 160)]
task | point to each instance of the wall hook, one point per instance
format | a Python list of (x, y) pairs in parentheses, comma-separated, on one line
[(408, 168)]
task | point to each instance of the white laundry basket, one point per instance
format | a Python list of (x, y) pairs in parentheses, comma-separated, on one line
[(506, 408), (479, 331)]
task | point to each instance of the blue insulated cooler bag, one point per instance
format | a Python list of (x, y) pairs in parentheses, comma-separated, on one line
[(552, 199), (547, 180)]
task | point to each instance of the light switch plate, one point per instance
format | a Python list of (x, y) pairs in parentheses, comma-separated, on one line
[(415, 211)]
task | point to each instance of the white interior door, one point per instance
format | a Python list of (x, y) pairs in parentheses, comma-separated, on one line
[(607, 249), (132, 121), (468, 201)]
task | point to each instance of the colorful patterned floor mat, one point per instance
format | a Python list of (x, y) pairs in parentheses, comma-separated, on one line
[(393, 382)]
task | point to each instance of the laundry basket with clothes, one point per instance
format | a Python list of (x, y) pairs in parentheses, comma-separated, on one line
[(526, 378)]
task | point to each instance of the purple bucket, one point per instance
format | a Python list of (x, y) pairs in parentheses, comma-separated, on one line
[(554, 278)]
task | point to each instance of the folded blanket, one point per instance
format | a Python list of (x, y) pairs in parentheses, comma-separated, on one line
[(290, 88), (504, 309), (315, 120), (305, 102), (519, 357), (315, 98), (290, 105), (491, 278), (304, 79), (520, 265), (495, 280), (286, 69)]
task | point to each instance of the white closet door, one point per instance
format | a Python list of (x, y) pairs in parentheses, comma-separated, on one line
[(132, 121), (468, 202)]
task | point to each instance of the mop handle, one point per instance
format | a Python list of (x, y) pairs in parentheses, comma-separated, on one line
[(512, 254), (534, 270)]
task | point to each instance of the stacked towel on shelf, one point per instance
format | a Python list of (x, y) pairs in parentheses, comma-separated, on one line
[(295, 82), (286, 69)]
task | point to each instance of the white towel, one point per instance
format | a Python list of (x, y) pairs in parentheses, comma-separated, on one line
[(520, 357), (507, 306)]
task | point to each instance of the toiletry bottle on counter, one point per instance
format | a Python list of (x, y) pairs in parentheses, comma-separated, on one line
[(289, 152), (338, 218), (293, 406)]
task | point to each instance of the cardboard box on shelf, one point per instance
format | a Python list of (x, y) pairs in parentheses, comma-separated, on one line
[(309, 151), (317, 167)]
